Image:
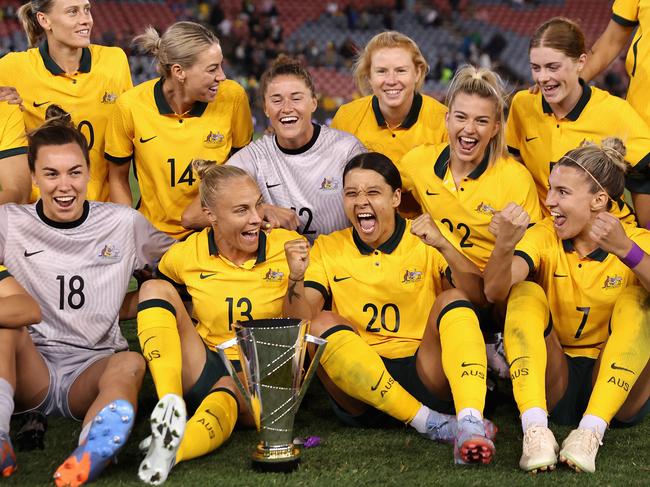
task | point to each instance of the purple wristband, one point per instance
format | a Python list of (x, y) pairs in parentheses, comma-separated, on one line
[(633, 257)]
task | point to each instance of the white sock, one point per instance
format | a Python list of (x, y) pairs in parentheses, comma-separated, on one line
[(594, 423), (533, 416), (419, 422), (6, 404), (84, 432), (469, 412)]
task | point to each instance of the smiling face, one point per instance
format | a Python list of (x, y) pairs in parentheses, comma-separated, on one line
[(201, 80), (571, 201), (370, 204), (236, 220), (471, 124), (289, 104), (393, 77), (557, 75), (68, 23), (61, 173)]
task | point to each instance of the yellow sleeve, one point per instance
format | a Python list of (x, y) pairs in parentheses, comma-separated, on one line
[(167, 268), (636, 137), (12, 134), (119, 134), (242, 123), (125, 79), (316, 275), (626, 12), (337, 121), (530, 202), (407, 167), (513, 137), (531, 247)]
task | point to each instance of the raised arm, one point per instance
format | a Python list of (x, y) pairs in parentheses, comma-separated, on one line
[(606, 48), (300, 301)]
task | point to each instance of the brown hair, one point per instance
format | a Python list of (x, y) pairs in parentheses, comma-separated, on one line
[(384, 40), (485, 83), (27, 16), (213, 176), (604, 165), (561, 34), (58, 129), (289, 66), (181, 44)]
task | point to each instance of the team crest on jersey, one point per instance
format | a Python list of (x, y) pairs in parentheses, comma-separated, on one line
[(109, 251), (485, 209), (411, 276), (109, 97), (329, 184), (273, 276), (613, 282), (214, 139)]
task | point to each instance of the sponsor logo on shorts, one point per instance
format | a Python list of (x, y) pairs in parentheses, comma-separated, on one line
[(613, 282), (214, 139), (411, 276)]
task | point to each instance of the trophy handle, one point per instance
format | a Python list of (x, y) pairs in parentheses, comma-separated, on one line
[(221, 350), (313, 366)]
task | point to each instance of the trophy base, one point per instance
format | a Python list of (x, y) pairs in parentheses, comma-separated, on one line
[(285, 458)]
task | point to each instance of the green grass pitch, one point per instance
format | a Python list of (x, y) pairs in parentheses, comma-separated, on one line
[(347, 456)]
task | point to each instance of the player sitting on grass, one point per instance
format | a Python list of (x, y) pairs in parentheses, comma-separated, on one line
[(398, 345), (76, 258), (577, 338), (233, 272)]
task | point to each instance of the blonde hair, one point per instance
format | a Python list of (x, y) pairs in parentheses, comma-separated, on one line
[(213, 177), (485, 83), (385, 40), (27, 16), (181, 44), (604, 164)]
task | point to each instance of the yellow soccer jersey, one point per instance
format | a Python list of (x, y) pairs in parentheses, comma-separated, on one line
[(223, 292), (581, 291), (541, 140), (12, 131), (89, 96), (425, 123), (467, 211), (163, 145), (387, 293), (632, 13)]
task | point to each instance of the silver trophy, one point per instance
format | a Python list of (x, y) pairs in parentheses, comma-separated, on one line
[(272, 353)]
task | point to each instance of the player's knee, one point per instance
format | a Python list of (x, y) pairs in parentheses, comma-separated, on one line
[(450, 296), (157, 289), (324, 321), (128, 364)]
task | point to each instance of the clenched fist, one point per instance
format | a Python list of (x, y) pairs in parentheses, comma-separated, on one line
[(297, 253), (509, 225), (425, 228)]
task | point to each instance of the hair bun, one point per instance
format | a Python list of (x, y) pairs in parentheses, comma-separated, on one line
[(202, 166), (54, 114)]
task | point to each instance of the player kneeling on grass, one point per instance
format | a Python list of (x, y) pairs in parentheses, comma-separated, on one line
[(76, 258), (577, 337), (398, 345), (233, 272)]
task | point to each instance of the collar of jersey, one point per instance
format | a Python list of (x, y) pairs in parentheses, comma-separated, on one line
[(52, 67), (163, 107), (411, 117), (440, 167), (389, 245), (599, 254), (304, 148), (580, 106), (261, 246), (52, 223)]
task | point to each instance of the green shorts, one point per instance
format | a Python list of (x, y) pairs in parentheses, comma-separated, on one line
[(213, 370), (403, 371)]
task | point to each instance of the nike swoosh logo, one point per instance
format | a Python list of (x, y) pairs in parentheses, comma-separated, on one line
[(143, 141), (29, 254), (269, 186), (466, 364), (616, 367), (560, 275), (205, 276), (429, 193), (36, 105), (339, 279), (528, 139), (518, 358), (378, 382)]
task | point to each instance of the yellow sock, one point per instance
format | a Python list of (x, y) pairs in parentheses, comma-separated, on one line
[(161, 345), (527, 317), (463, 355), (359, 372), (211, 425), (625, 355)]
